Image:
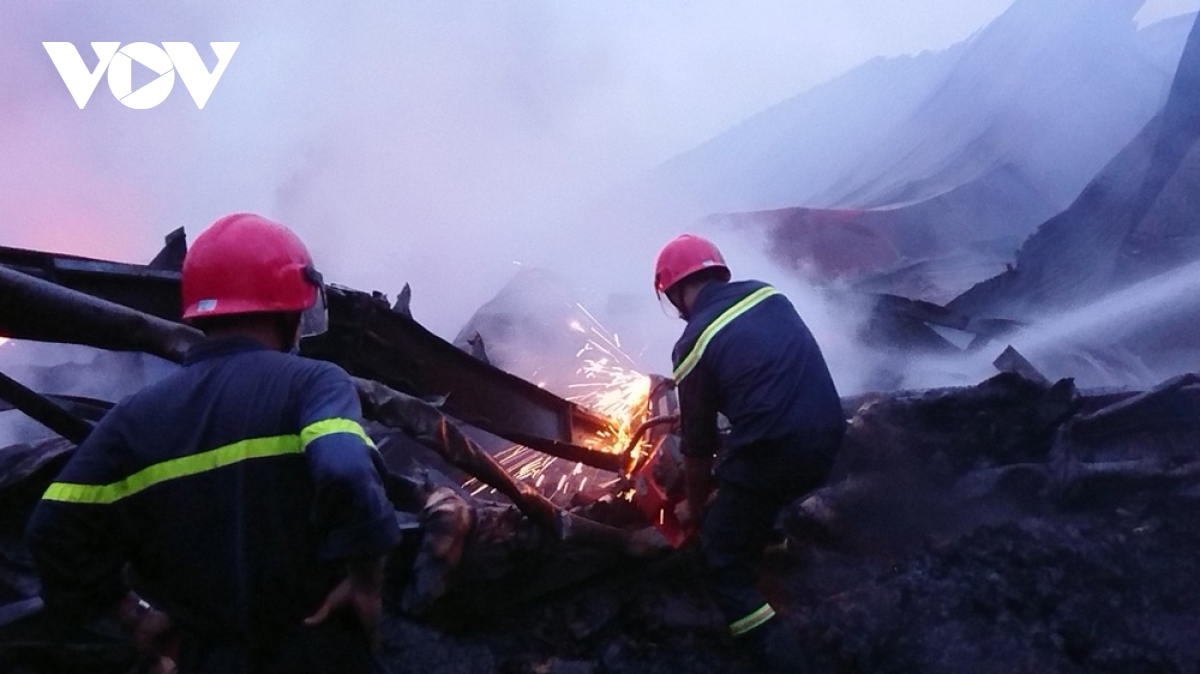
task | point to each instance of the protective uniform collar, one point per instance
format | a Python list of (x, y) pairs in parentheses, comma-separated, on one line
[(223, 346), (710, 293)]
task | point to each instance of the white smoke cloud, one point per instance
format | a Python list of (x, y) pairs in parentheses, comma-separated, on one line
[(833, 317), (1157, 10), (426, 142)]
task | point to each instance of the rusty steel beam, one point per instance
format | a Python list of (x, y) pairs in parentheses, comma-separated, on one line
[(366, 337)]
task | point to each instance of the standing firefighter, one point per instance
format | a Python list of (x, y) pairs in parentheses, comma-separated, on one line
[(745, 353), (240, 496)]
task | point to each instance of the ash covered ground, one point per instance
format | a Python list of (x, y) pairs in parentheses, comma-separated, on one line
[(1007, 527), (1012, 526), (1109, 591)]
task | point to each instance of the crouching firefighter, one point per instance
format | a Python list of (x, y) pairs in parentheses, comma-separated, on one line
[(239, 496), (746, 354)]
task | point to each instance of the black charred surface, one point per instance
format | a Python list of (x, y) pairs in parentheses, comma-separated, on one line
[(153, 289), (1007, 419), (43, 410), (173, 252), (925, 576), (86, 302), (370, 340), (1105, 593)]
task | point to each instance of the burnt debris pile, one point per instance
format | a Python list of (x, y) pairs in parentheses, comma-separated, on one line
[(1010, 526)]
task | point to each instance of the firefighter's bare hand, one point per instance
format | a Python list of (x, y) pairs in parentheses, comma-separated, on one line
[(164, 665), (365, 601), (689, 516), (154, 634), (646, 543), (152, 631), (683, 513), (689, 520)]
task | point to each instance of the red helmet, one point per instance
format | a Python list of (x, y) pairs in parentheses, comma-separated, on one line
[(244, 264), (684, 256)]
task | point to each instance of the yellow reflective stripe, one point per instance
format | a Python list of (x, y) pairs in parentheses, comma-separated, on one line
[(756, 619), (183, 466), (746, 304), (325, 427)]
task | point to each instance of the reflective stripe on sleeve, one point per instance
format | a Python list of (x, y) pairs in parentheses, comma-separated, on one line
[(326, 427), (757, 619), (747, 303)]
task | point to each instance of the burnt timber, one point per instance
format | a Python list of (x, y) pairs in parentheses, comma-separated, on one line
[(366, 337)]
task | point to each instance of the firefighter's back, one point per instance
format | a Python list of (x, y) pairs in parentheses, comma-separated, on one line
[(222, 533)]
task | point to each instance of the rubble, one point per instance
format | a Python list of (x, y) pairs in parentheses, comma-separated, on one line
[(1009, 526), (1021, 524), (925, 574), (1012, 361), (1014, 525)]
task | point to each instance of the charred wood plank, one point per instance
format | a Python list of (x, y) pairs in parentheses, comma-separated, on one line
[(43, 410), (426, 424), (151, 289), (372, 341), (1105, 482), (446, 520), (88, 409), (367, 338), (61, 314), (33, 308), (1167, 405)]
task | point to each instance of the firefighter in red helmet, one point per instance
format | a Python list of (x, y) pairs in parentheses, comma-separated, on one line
[(232, 516), (745, 354)]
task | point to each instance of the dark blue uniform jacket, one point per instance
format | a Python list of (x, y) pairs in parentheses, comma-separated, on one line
[(747, 354), (234, 488)]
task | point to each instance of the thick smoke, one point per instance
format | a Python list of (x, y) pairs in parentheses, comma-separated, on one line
[(70, 370), (435, 143), (1157, 10), (835, 318), (431, 143)]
